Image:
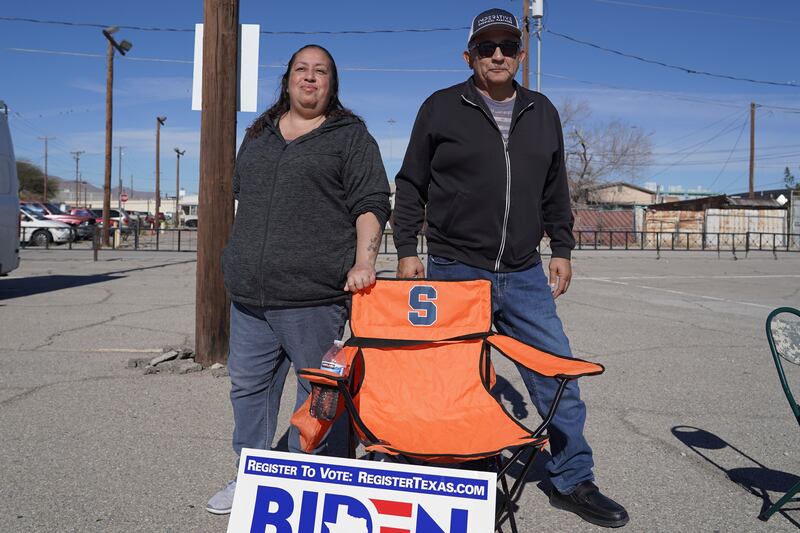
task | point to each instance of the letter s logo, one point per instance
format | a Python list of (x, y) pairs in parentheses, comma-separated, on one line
[(421, 299)]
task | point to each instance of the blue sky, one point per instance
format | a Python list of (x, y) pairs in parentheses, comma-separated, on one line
[(695, 121)]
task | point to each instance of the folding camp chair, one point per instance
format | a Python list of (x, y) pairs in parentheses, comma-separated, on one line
[(783, 334), (419, 377)]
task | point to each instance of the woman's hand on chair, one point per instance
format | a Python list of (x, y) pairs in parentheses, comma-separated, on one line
[(360, 277)]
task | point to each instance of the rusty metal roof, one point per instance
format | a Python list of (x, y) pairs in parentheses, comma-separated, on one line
[(722, 201)]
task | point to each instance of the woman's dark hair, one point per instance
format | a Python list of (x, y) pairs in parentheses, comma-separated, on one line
[(281, 106)]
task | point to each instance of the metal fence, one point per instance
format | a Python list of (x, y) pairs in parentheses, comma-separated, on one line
[(677, 241), (130, 239), (185, 240)]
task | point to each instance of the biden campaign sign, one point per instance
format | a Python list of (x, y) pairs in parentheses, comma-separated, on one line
[(279, 492)]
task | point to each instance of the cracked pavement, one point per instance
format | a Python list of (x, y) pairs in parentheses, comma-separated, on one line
[(689, 426)]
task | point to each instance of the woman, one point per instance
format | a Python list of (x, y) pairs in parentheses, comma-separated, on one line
[(313, 201)]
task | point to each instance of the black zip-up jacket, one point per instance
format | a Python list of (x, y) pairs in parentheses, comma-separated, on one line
[(488, 202), (294, 236)]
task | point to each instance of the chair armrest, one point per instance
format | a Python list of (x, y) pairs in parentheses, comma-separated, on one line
[(322, 377), (543, 363), (326, 377)]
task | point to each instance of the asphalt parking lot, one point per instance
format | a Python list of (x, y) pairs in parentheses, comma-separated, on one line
[(689, 425)]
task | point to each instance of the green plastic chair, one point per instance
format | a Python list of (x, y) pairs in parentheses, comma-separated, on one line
[(784, 342)]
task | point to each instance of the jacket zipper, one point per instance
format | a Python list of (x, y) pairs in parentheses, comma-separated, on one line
[(508, 203), (508, 176), (266, 228)]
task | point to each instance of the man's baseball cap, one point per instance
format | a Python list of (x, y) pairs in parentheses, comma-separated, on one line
[(493, 19)]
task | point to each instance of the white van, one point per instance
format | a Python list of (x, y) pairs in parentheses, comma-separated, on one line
[(9, 198)]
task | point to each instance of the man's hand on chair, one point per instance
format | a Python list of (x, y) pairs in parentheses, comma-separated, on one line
[(560, 275), (410, 267)]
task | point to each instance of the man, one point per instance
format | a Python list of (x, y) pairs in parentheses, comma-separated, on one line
[(485, 166)]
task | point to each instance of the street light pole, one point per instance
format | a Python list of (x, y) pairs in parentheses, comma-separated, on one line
[(526, 42), (537, 12), (122, 48), (159, 122), (178, 154)]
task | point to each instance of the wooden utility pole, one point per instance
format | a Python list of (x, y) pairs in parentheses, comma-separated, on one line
[(178, 153), (159, 122), (217, 158), (121, 47), (752, 148), (77, 156), (45, 139), (526, 43), (107, 180)]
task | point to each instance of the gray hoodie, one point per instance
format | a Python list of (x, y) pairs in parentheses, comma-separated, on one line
[(294, 237)]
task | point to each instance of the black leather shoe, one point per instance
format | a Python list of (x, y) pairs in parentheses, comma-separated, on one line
[(589, 503)]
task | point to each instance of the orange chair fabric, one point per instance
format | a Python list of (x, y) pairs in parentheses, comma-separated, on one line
[(419, 374), (446, 416), (543, 363), (422, 309)]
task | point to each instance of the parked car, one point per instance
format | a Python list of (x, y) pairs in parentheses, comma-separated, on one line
[(148, 219), (37, 230), (82, 212), (137, 218), (83, 224), (191, 222), (123, 220)]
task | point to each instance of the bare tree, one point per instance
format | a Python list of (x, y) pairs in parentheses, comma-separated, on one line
[(596, 151)]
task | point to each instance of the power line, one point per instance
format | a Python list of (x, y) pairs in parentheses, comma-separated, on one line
[(434, 69), (694, 148), (642, 91), (693, 11), (270, 65), (91, 25), (668, 65), (781, 108), (421, 70), (263, 32), (690, 153), (366, 32), (725, 165), (686, 136)]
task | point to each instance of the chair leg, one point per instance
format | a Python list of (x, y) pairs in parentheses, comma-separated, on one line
[(518, 484), (507, 504), (780, 503), (352, 440)]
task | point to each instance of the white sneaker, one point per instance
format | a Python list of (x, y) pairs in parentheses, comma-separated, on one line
[(222, 501)]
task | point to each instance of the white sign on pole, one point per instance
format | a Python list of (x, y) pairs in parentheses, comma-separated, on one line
[(286, 492), (247, 82)]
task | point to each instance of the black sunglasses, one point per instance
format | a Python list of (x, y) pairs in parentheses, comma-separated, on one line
[(487, 48)]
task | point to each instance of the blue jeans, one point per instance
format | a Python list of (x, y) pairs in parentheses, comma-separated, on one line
[(523, 308), (263, 341)]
